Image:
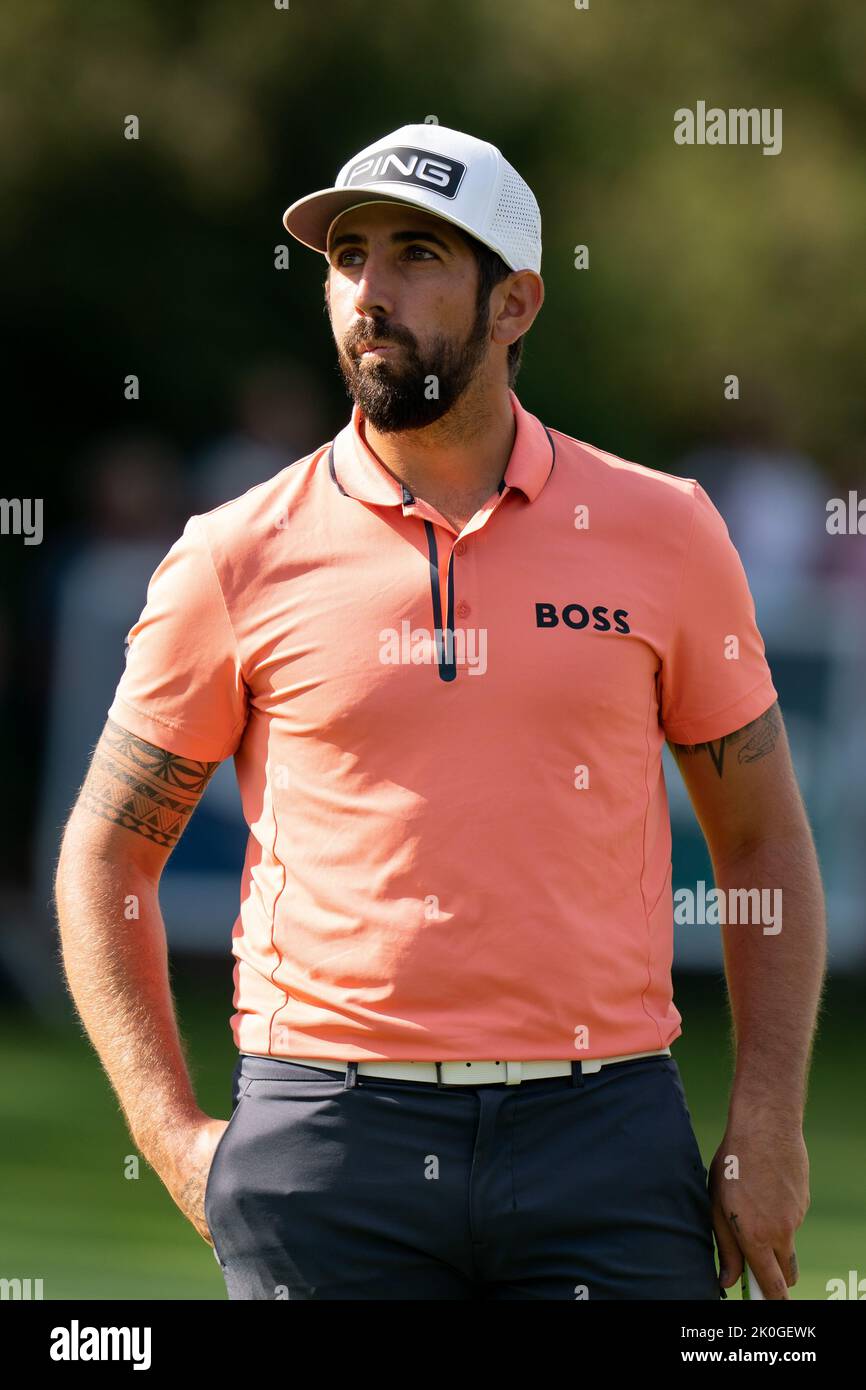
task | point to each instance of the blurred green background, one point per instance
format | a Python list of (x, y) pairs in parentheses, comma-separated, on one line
[(156, 257)]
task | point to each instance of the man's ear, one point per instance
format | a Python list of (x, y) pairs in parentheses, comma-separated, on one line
[(523, 297)]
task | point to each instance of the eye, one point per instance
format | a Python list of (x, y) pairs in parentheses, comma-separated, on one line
[(414, 251)]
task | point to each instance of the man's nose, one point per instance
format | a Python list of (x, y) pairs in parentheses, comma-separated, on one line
[(373, 294)]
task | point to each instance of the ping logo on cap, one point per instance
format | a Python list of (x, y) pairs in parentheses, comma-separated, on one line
[(404, 164)]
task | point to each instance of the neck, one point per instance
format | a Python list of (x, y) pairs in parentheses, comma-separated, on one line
[(461, 456)]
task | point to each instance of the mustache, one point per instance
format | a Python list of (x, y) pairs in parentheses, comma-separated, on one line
[(379, 332)]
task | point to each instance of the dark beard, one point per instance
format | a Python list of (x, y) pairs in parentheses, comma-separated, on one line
[(396, 397)]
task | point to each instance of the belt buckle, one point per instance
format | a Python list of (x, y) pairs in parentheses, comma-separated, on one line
[(512, 1074), (451, 1063)]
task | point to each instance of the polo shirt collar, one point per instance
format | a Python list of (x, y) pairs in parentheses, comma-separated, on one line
[(357, 471)]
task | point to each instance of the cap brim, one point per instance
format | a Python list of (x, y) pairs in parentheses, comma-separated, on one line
[(309, 219)]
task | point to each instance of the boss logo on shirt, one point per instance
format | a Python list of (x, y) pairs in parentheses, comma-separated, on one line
[(576, 616), (403, 164)]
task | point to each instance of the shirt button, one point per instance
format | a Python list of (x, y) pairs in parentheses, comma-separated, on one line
[(463, 609), (460, 547)]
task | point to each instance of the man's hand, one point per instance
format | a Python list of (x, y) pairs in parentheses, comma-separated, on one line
[(756, 1214), (183, 1162)]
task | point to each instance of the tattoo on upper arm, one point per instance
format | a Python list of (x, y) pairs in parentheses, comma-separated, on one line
[(142, 787), (754, 740)]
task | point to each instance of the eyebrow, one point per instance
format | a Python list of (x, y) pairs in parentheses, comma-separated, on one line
[(396, 237)]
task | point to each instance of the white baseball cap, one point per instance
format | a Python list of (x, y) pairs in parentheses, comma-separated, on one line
[(453, 175)]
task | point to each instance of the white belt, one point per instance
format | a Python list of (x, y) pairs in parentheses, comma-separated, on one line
[(469, 1073)]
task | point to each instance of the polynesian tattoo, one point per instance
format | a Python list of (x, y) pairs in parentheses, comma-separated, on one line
[(143, 787), (754, 741)]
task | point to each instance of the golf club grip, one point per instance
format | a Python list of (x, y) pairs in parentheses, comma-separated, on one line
[(751, 1289)]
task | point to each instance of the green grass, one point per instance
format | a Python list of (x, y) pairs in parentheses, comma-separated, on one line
[(70, 1216)]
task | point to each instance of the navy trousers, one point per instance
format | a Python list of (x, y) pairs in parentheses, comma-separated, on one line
[(350, 1187)]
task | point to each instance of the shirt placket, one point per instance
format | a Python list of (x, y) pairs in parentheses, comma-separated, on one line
[(442, 569)]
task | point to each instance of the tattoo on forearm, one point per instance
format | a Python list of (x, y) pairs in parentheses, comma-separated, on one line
[(755, 741), (142, 787)]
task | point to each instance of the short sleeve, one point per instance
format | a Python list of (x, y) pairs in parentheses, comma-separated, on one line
[(714, 674), (183, 688)]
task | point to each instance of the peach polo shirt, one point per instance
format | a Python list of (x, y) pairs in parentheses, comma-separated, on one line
[(449, 747)]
